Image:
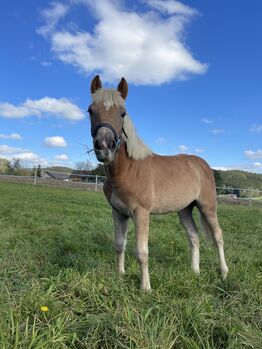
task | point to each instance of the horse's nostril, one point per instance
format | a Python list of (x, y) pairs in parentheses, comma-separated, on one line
[(97, 145), (113, 144), (105, 144)]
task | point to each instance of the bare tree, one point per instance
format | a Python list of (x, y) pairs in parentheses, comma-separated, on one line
[(84, 166), (14, 167)]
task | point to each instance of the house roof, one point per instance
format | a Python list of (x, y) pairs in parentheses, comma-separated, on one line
[(58, 175)]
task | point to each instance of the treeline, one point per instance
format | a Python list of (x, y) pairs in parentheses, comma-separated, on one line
[(81, 168), (239, 180), (15, 168)]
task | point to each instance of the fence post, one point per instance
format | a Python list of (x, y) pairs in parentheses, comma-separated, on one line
[(35, 176), (96, 183)]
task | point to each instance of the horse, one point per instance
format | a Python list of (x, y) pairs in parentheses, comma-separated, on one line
[(140, 183)]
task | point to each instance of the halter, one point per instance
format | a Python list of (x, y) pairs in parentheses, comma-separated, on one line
[(117, 138)]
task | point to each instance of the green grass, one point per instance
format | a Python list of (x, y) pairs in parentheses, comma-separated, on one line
[(56, 249)]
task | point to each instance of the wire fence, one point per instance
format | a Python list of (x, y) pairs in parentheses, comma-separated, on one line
[(244, 196), (58, 179), (230, 195)]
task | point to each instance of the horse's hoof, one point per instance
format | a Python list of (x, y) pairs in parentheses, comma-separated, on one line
[(224, 274), (145, 288)]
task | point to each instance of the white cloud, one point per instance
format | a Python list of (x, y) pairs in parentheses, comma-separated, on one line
[(28, 156), (51, 17), (199, 150), (253, 155), (217, 131), (161, 141), (14, 136), (207, 121), (255, 167), (146, 48), (55, 142), (25, 155), (62, 157), (183, 148), (7, 150), (8, 110), (172, 7), (256, 128), (46, 106), (221, 168)]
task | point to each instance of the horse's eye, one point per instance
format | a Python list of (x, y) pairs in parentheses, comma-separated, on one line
[(123, 114), (90, 111)]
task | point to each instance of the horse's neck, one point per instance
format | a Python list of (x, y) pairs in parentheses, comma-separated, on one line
[(119, 165)]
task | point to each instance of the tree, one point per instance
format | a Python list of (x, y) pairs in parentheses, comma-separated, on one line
[(3, 165), (99, 170), (17, 166), (218, 178), (33, 171), (14, 167), (84, 166), (39, 171)]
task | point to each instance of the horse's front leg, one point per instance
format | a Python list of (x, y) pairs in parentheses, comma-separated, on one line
[(141, 220), (121, 225)]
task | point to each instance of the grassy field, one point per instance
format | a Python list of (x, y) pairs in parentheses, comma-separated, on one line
[(56, 250)]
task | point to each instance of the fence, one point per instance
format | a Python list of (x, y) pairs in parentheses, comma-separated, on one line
[(240, 196), (227, 195), (63, 180)]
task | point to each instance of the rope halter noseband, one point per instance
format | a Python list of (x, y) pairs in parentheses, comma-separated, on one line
[(117, 138)]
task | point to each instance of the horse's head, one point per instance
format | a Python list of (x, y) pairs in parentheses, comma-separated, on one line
[(107, 113)]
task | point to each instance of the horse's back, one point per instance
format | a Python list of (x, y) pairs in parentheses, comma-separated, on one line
[(183, 167), (180, 180)]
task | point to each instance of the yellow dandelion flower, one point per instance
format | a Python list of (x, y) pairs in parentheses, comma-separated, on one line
[(44, 308)]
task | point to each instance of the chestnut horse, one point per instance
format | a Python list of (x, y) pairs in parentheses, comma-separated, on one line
[(140, 183)]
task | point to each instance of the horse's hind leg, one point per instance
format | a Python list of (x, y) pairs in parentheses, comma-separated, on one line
[(209, 218), (121, 225), (141, 220), (190, 227)]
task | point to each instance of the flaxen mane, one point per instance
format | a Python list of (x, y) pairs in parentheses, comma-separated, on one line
[(108, 97), (136, 148)]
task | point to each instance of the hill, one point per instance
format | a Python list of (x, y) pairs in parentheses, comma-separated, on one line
[(238, 179), (58, 169)]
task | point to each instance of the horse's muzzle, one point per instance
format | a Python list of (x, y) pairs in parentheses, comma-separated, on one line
[(104, 156), (105, 145)]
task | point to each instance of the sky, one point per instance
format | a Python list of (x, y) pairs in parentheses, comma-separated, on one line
[(193, 69)]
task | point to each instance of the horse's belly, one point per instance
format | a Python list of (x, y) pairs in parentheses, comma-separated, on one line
[(169, 208), (175, 203)]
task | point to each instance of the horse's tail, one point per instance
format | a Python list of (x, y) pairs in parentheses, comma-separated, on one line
[(205, 227)]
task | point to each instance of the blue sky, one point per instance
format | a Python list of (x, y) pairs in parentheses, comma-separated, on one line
[(194, 73)]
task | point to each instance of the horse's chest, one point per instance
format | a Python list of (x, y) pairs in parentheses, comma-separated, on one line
[(119, 204)]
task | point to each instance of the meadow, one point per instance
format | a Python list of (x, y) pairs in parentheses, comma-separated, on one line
[(56, 250)]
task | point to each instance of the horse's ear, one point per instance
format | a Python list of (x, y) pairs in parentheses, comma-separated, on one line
[(96, 84), (123, 88)]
